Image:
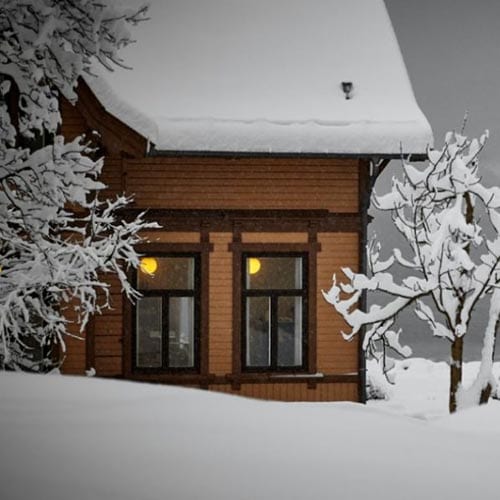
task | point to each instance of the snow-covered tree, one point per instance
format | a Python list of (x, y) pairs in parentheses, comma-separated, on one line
[(451, 223), (57, 238)]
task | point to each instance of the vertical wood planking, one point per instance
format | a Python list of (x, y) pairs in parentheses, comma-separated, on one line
[(335, 355), (220, 305)]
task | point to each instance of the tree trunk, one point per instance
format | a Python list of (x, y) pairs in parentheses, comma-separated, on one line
[(457, 348), (485, 395), (486, 392)]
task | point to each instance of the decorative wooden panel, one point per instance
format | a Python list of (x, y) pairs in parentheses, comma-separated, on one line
[(274, 237)]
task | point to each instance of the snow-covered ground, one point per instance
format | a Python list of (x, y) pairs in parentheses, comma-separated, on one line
[(420, 387), (86, 438)]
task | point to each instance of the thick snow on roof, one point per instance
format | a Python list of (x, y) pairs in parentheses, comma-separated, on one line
[(265, 76), (118, 107)]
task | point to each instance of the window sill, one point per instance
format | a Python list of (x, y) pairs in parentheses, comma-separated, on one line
[(243, 378), (297, 375), (291, 377)]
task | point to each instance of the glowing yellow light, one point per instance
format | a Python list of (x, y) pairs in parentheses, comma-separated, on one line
[(149, 265), (253, 265)]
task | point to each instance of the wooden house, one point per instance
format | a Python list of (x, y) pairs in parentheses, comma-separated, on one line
[(253, 133)]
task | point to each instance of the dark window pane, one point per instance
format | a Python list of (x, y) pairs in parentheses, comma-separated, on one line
[(181, 332), (278, 273), (148, 328), (289, 331), (258, 331), (166, 273)]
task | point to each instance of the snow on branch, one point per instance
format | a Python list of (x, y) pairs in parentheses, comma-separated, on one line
[(58, 238), (47, 44), (450, 260)]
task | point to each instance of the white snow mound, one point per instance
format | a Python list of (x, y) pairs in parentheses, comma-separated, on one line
[(89, 438)]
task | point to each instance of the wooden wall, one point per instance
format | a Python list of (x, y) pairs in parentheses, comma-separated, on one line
[(335, 355), (227, 184), (107, 339), (106, 354), (294, 391), (243, 183), (220, 305), (75, 350), (73, 124)]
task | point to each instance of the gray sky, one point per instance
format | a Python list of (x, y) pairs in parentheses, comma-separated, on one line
[(452, 52)]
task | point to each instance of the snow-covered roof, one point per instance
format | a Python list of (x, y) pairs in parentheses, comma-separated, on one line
[(266, 76)]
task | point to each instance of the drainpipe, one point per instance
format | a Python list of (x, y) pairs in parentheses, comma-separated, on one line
[(369, 171)]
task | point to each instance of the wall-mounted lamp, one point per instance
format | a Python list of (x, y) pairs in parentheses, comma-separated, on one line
[(347, 88), (148, 265), (253, 265)]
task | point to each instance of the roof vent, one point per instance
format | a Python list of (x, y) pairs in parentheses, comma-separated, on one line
[(347, 88)]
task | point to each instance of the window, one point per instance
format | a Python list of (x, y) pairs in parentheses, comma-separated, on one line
[(167, 315), (274, 295)]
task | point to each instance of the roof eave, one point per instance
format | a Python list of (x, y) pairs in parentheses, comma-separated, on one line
[(292, 154)]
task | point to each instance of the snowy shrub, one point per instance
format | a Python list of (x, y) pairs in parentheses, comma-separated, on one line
[(376, 387), (380, 378)]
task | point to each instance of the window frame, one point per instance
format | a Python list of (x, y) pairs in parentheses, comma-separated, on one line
[(273, 295), (167, 294)]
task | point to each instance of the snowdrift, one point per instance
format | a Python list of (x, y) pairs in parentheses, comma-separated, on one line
[(81, 438)]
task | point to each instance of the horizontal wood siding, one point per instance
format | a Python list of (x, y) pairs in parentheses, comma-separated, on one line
[(109, 328), (335, 355), (243, 183), (220, 305), (218, 184), (73, 123), (112, 177), (75, 355), (293, 392), (171, 237), (108, 334)]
